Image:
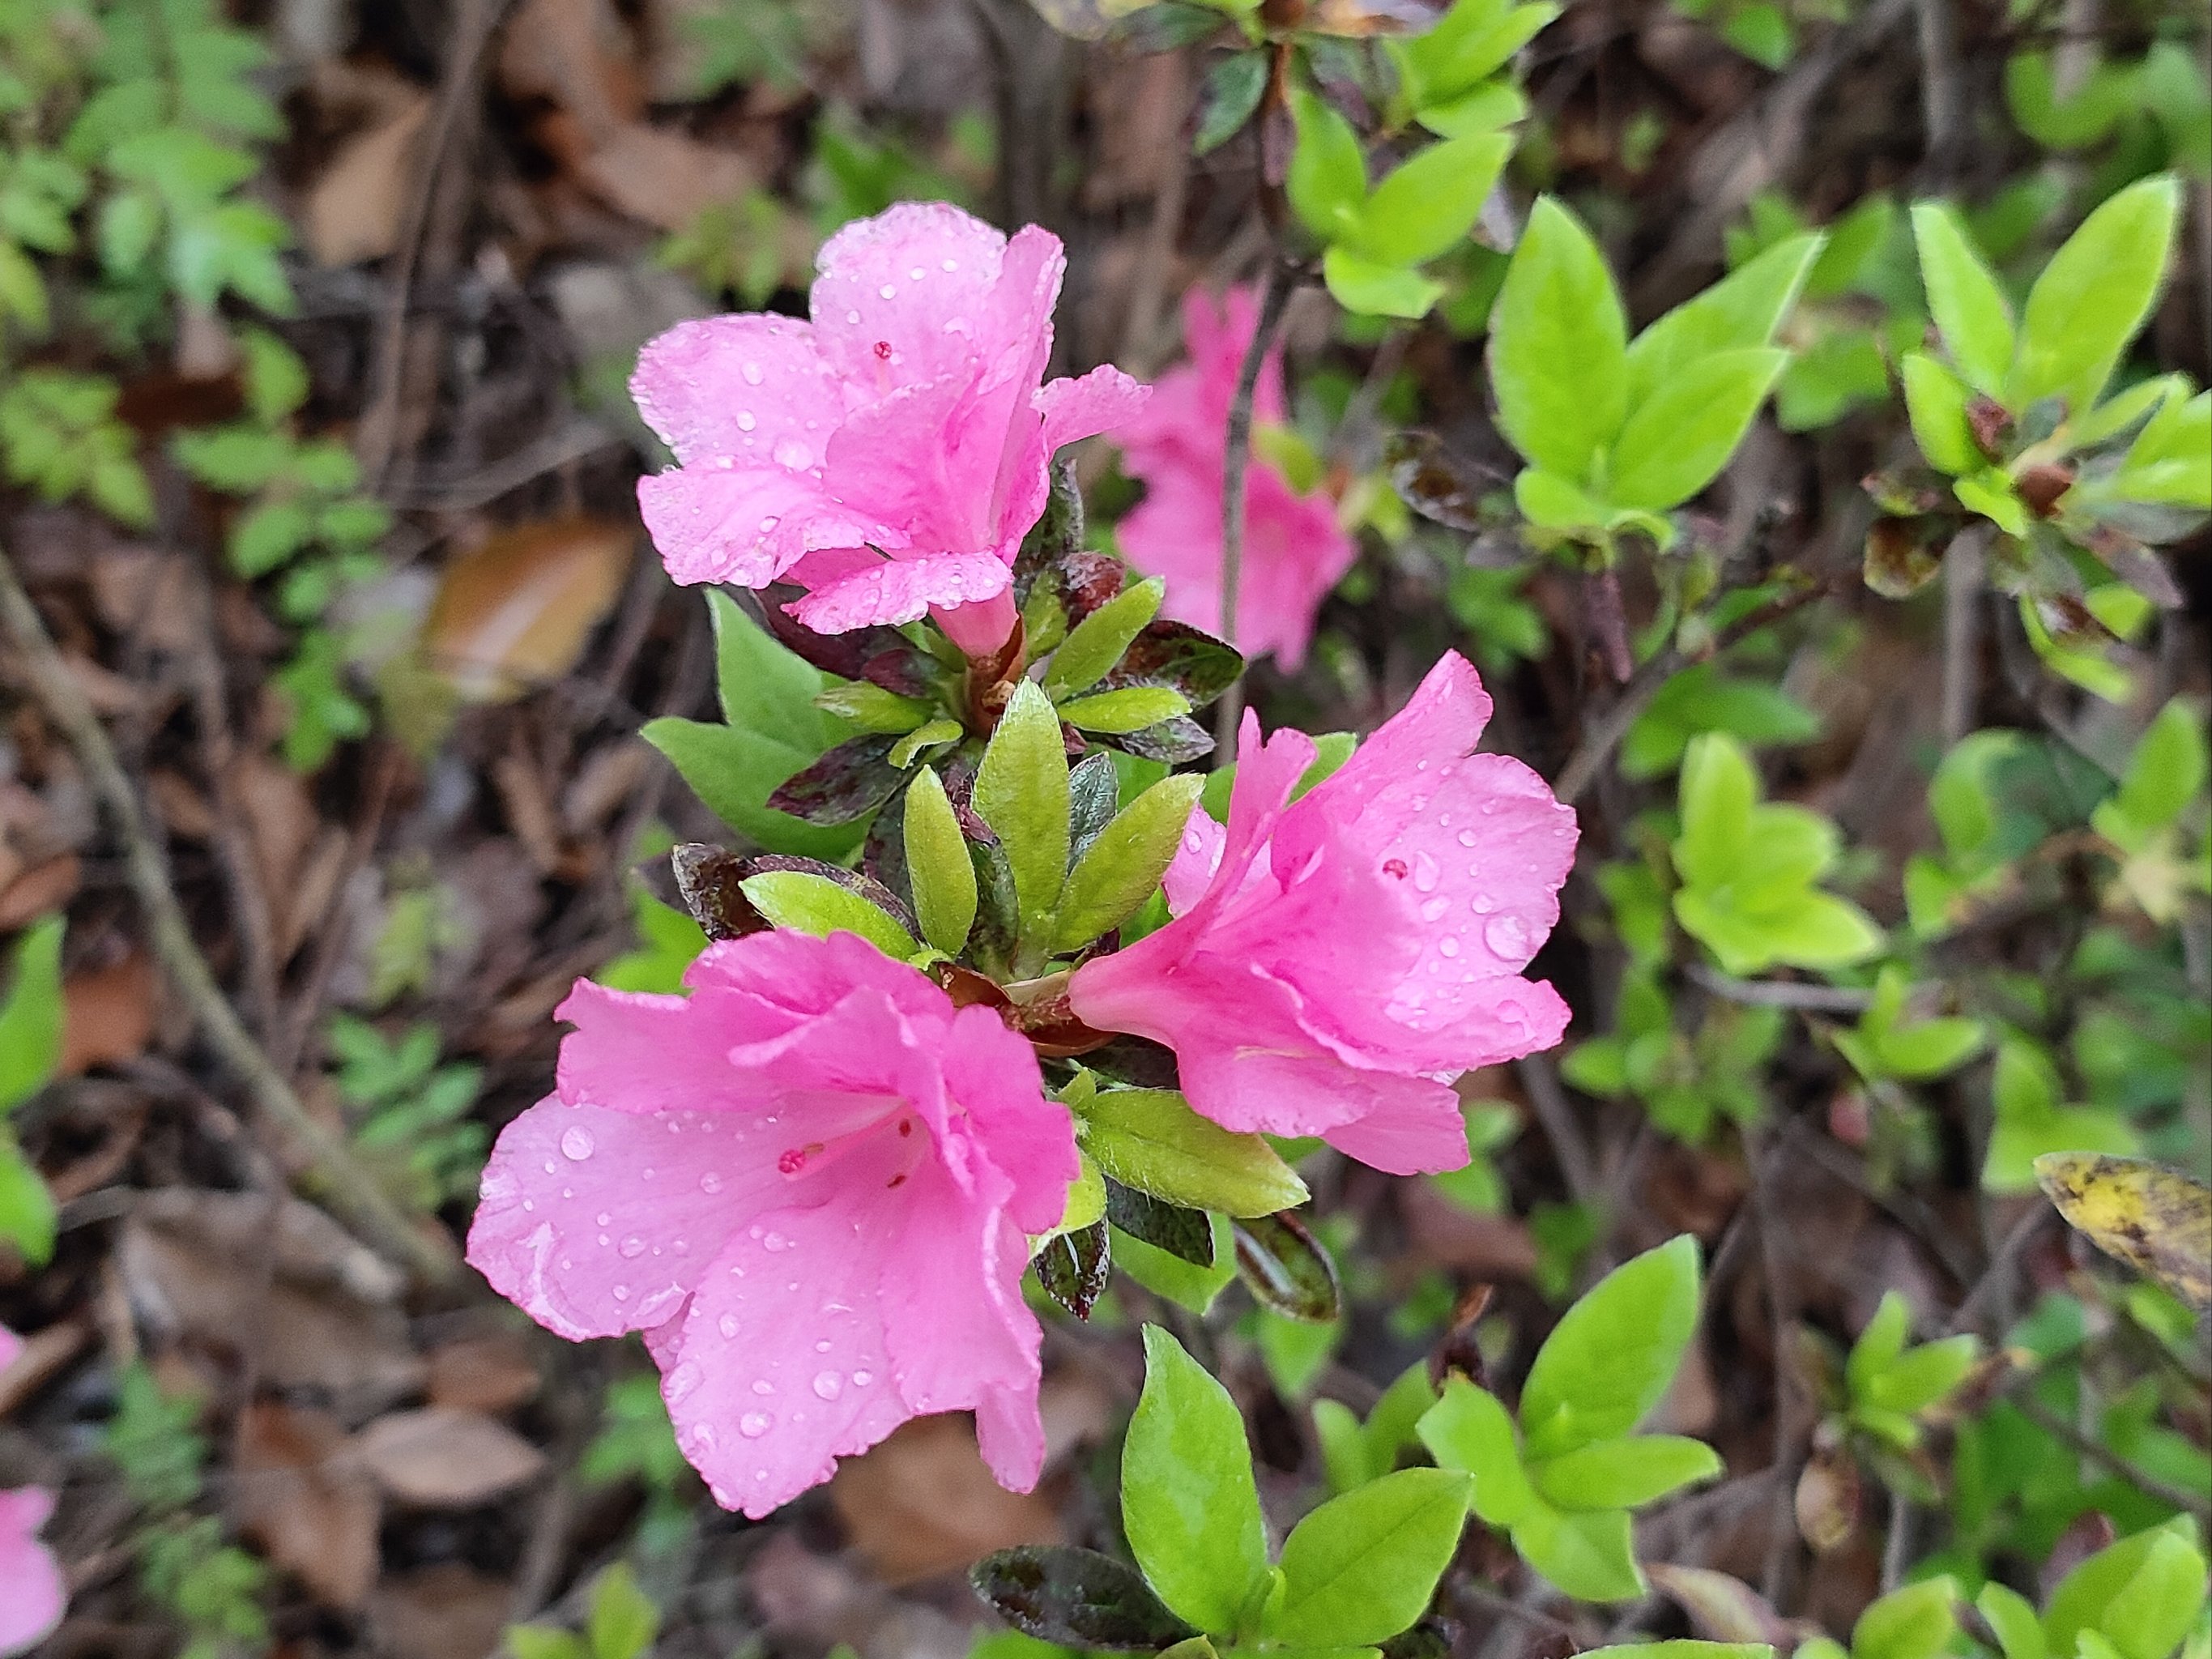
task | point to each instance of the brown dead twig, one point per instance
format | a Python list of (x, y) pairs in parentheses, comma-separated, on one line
[(350, 1187)]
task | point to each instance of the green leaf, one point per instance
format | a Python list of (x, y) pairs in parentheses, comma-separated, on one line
[(733, 771), (1879, 1343), (27, 1217), (622, 1622), (2095, 295), (1361, 1567), (1676, 442), (31, 1018), (266, 535), (544, 1642), (1592, 1555), (1615, 1351), (1935, 402), (1149, 1140), (1094, 645), (1368, 289), (808, 903), (1559, 346), (1469, 1431), (1924, 1377), (2167, 772), (1288, 1270), (1624, 1475), (1916, 1622), (1549, 501), (870, 708), (2012, 1617), (1183, 1283), (937, 866), (1021, 792), (1233, 86), (1428, 204), (1718, 793), (1121, 869), (1078, 1598), (1327, 179), (1131, 709), (1969, 307), (1741, 311), (2141, 1593), (1188, 1503), (763, 687)]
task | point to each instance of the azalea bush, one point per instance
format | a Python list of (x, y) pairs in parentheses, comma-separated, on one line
[(1503, 946)]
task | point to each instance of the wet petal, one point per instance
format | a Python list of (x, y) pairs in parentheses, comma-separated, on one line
[(747, 527), (749, 390), (903, 590)]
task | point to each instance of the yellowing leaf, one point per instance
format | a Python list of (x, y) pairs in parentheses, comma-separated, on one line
[(2155, 1219), (516, 612)]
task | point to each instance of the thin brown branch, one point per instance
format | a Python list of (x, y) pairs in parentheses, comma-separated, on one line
[(348, 1186), (2193, 1502)]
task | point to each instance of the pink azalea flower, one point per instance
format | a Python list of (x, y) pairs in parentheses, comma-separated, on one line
[(1334, 960), (889, 455), (1295, 551), (32, 1596), (808, 1183)]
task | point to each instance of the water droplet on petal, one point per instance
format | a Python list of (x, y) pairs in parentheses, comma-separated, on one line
[(710, 1182), (886, 291), (861, 1379), (1466, 837), (823, 1346), (1425, 872), (829, 1385), (576, 1143), (1507, 935), (1447, 946), (752, 374), (754, 1424), (621, 1292), (1435, 909), (632, 1247), (763, 1387), (728, 1324), (789, 452), (703, 1438), (745, 422), (682, 1380)]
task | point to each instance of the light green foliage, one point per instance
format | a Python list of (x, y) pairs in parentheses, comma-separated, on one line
[(668, 940), (1891, 1384), (1150, 1140), (1094, 645), (1750, 871), (409, 1112), (31, 1015), (1355, 1452), (1618, 434), (1450, 76), (59, 437), (1887, 1046), (1563, 1482), (1172, 1279), (771, 729), (1702, 698), (1376, 240), (1021, 792), (621, 1623), (212, 1588), (152, 1442), (809, 903), (1188, 1503), (1119, 869), (2156, 814), (2032, 1118), (1689, 1082), (2136, 1598), (937, 865), (1361, 1568)]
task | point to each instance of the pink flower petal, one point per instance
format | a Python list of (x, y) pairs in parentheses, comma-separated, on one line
[(10, 1345), (779, 1367), (993, 1075), (1415, 1129), (748, 527), (903, 590), (33, 1596), (747, 390), (1088, 405), (596, 1222), (1191, 871), (919, 279)]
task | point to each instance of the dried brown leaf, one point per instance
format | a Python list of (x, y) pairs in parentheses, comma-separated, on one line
[(297, 1495), (923, 1503), (355, 209), (517, 610), (442, 1457), (108, 1014)]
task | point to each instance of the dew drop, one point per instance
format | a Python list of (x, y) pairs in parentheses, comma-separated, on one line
[(728, 1324), (1424, 873), (754, 1424), (886, 291), (682, 1380), (763, 1387), (861, 1379), (776, 1243), (1467, 837), (1506, 935), (710, 1182), (823, 1346), (852, 316), (828, 1385), (789, 452), (915, 274), (951, 265), (1435, 909), (576, 1143), (752, 374), (1447, 947), (703, 1438), (621, 1292), (632, 1247), (745, 422), (550, 1166), (603, 1217)]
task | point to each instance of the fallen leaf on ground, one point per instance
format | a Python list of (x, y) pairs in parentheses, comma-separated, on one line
[(108, 1014), (355, 209), (2157, 1220), (295, 1493), (490, 1372), (441, 1457), (516, 612), (922, 1503), (443, 1611)]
